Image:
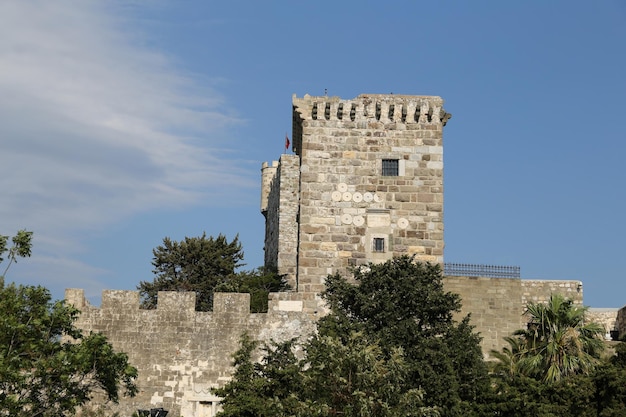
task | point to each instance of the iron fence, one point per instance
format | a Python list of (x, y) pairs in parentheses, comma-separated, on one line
[(475, 270)]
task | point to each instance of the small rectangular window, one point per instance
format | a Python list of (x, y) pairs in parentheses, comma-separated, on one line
[(390, 167), (378, 244)]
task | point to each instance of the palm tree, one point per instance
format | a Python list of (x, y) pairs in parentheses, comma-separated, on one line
[(557, 342), (509, 358)]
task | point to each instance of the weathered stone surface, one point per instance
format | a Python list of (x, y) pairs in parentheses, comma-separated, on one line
[(181, 353), (340, 154)]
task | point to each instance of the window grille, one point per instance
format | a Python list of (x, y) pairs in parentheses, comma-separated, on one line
[(390, 167), (378, 244)]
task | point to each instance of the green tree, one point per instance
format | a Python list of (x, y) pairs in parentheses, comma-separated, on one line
[(196, 264), (557, 342), (270, 387), (610, 385), (554, 367), (402, 304), (333, 378), (21, 247), (389, 347), (205, 265), (47, 366), (354, 376)]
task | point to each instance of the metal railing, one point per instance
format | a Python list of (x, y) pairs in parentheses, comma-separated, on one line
[(474, 270)]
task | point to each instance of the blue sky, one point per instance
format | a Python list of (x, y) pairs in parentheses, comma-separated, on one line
[(123, 122)]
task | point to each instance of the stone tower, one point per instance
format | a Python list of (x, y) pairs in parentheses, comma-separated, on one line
[(365, 184)]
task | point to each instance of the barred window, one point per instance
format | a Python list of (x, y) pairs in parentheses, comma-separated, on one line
[(390, 168), (378, 244)]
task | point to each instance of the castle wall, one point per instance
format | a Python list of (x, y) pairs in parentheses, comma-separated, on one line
[(497, 305), (181, 353), (494, 305), (539, 291), (607, 317)]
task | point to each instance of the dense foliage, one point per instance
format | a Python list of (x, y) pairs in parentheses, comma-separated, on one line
[(47, 366), (389, 347), (600, 392), (555, 367), (556, 343), (204, 265)]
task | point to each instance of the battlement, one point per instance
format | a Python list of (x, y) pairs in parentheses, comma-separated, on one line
[(118, 301), (369, 107), (181, 353)]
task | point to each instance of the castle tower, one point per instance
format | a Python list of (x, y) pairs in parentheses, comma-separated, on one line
[(365, 184)]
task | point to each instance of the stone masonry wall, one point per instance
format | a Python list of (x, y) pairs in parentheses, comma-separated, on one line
[(279, 205), (607, 317), (346, 203), (494, 305), (181, 353), (621, 322), (538, 291)]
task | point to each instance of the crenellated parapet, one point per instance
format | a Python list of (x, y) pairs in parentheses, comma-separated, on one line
[(373, 107), (121, 301), (181, 353)]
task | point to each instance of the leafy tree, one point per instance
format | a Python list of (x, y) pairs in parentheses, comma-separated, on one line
[(266, 388), (47, 366), (21, 247), (355, 377), (389, 347), (557, 343), (402, 304), (204, 265), (609, 385), (351, 380), (196, 264), (554, 367)]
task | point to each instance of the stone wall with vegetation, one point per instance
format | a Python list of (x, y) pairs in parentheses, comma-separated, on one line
[(181, 353), (538, 291), (496, 305)]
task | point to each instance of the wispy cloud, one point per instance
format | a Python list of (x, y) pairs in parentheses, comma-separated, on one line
[(94, 126)]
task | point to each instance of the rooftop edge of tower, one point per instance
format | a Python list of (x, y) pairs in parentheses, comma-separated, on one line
[(382, 107)]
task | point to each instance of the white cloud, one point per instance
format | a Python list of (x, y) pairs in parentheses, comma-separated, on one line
[(94, 126)]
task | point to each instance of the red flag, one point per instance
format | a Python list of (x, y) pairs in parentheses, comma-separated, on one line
[(287, 143)]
